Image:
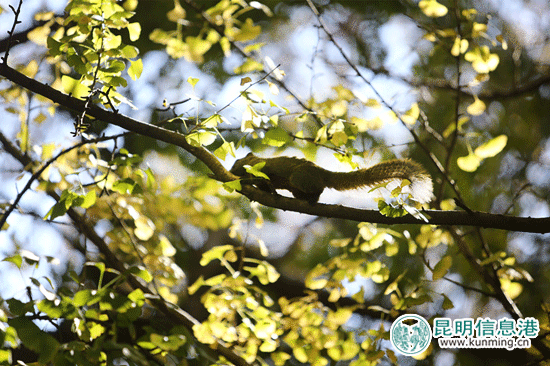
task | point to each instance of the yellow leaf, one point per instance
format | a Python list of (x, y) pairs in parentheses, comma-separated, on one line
[(166, 247), (39, 35), (491, 147), (339, 108), (469, 163), (135, 69), (372, 103), (476, 108), (459, 47), (144, 228), (192, 81), (248, 31), (367, 124), (300, 354), (478, 29), (482, 59), (447, 303), (512, 289), (432, 8), (177, 14), (134, 30), (31, 69), (411, 116)]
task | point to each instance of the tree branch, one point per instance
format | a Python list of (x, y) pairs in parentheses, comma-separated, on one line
[(478, 219), (435, 217)]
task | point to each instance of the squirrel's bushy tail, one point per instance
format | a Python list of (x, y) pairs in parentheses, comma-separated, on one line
[(421, 187)]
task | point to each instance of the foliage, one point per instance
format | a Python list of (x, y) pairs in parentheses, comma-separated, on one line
[(170, 266)]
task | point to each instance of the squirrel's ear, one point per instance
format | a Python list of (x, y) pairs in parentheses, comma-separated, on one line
[(250, 154)]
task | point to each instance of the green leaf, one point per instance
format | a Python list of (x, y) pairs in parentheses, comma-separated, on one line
[(168, 343), (127, 185), (491, 147), (234, 185), (15, 259), (217, 252), (18, 307), (85, 297), (201, 138), (390, 211), (442, 267), (276, 137), (34, 339), (135, 69), (74, 87), (89, 199), (141, 273), (447, 303), (256, 170), (213, 121), (60, 208), (226, 148), (129, 51)]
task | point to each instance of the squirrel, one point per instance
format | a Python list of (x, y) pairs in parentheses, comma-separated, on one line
[(306, 180)]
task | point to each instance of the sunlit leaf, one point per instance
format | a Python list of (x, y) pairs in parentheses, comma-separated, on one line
[(432, 8), (411, 116), (256, 170), (225, 149), (134, 30), (483, 61), (476, 108), (135, 69), (248, 31), (469, 163), (201, 138), (491, 147), (74, 87), (459, 46)]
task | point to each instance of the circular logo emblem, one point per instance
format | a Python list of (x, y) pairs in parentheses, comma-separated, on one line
[(410, 334)]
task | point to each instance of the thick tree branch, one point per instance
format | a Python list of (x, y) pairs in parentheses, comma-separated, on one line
[(474, 218)]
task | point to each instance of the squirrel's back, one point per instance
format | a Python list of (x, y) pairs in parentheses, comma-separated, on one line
[(307, 180)]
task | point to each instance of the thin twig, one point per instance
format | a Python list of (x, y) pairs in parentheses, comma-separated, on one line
[(12, 31), (37, 174), (248, 87)]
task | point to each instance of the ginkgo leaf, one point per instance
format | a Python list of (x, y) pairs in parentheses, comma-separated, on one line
[(476, 108), (432, 8), (491, 147), (469, 163), (411, 115)]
